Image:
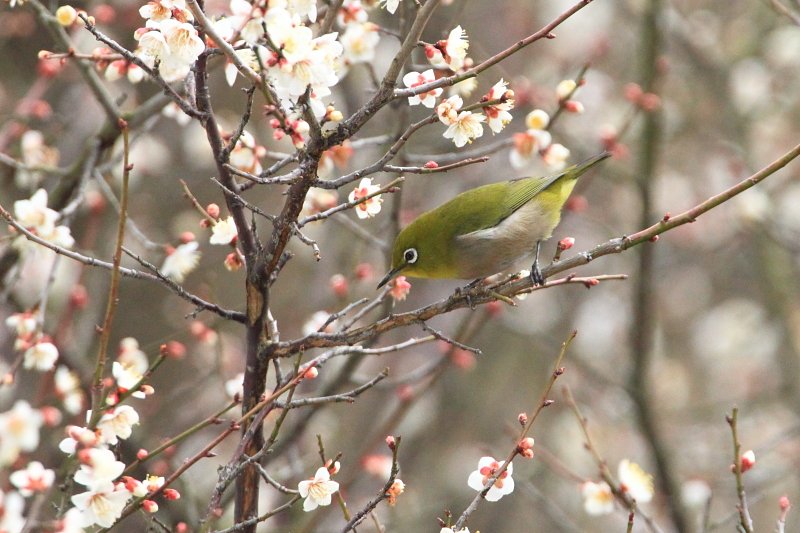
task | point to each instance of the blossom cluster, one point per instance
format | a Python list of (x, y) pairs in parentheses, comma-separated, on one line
[(106, 492), (463, 125)]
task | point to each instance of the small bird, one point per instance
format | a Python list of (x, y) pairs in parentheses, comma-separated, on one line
[(486, 230)]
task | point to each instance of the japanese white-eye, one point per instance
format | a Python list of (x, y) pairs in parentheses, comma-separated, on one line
[(486, 230)]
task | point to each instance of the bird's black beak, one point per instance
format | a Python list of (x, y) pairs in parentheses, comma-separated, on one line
[(392, 273)]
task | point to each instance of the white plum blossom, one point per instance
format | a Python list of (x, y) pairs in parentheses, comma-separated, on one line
[(68, 388), (101, 467), (465, 128), (42, 356), (317, 490), (317, 68), (352, 11), (487, 467), (35, 153), (359, 42), (635, 481), (368, 208), (71, 522), (223, 231), (456, 47), (391, 5), (294, 41), (597, 498), (174, 112), (555, 156), (498, 115), (117, 423), (448, 109), (180, 261), (464, 87), (303, 8), (12, 506), (25, 325), (19, 431), (316, 321), (77, 435), (130, 366), (164, 9), (102, 504), (248, 57), (415, 79), (175, 45), (127, 377), (538, 119), (235, 386), (565, 88), (34, 478), (34, 215), (245, 155), (695, 493), (527, 146)]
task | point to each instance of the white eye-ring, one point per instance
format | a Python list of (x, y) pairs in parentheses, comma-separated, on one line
[(410, 256)]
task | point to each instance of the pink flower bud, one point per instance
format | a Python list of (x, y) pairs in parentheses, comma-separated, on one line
[(391, 442), (95, 202), (333, 466), (186, 237), (573, 106), (173, 350), (51, 415), (233, 262), (784, 503), (527, 453), (748, 460), (462, 359), (84, 457), (311, 373), (633, 92), (364, 272), (522, 418), (405, 393), (493, 308), (104, 14), (577, 204), (213, 211), (526, 443), (142, 454), (650, 102), (78, 297), (150, 506), (339, 286), (171, 494), (431, 164), (566, 243)]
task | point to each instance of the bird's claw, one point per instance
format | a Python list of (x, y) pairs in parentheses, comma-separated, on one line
[(536, 275)]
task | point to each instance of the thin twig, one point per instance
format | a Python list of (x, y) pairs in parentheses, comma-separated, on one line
[(745, 521)]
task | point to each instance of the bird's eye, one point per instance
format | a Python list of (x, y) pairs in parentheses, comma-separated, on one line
[(410, 256)]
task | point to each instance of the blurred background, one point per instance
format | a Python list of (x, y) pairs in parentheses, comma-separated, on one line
[(708, 318)]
